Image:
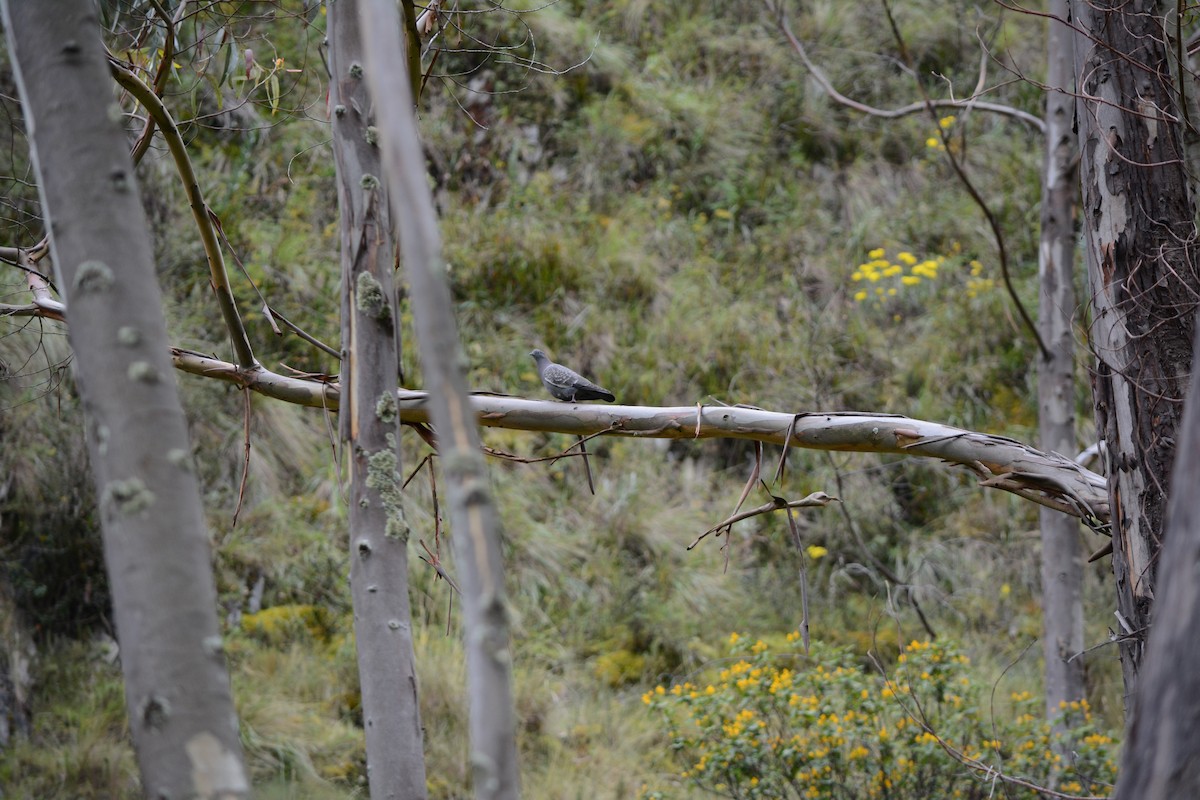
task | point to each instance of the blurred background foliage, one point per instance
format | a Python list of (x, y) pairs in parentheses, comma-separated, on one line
[(657, 194)]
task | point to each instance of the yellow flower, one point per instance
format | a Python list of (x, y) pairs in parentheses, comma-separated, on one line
[(1005, 590), (733, 638), (910, 280), (815, 551), (722, 213), (907, 258), (876, 253), (946, 122), (758, 647), (933, 142)]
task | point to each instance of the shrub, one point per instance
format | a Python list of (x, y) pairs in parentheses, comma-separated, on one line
[(818, 726)]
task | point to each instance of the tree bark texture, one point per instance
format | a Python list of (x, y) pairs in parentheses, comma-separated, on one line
[(371, 429), (156, 544), (1062, 559), (1158, 759), (1140, 236), (473, 515)]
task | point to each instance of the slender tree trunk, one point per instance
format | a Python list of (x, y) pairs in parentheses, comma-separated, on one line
[(155, 540), (371, 428), (1140, 227), (472, 512), (1062, 561), (1159, 760)]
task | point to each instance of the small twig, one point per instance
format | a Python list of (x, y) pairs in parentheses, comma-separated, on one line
[(795, 529), (587, 467), (787, 441), (816, 499), (960, 171), (245, 458)]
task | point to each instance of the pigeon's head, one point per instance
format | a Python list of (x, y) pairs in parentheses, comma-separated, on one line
[(538, 354)]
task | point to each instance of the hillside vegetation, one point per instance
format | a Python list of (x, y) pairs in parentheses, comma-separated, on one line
[(660, 196)]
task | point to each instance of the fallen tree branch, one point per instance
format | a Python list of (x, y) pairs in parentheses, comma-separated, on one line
[(1047, 479)]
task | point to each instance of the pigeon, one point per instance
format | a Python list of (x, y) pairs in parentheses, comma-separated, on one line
[(567, 384)]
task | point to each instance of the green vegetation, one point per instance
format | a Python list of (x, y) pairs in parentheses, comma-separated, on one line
[(785, 725), (681, 217)]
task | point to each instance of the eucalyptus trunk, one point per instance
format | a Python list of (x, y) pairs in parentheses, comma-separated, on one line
[(1159, 760), (156, 543), (473, 517), (1140, 229), (370, 425), (1062, 559)]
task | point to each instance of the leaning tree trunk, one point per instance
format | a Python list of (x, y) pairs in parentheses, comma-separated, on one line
[(472, 511), (156, 543), (1160, 760), (1140, 231), (1062, 561), (371, 429)]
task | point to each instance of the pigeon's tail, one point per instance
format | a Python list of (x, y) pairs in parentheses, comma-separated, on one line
[(594, 393)]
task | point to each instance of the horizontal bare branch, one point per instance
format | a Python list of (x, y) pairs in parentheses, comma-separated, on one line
[(1048, 479)]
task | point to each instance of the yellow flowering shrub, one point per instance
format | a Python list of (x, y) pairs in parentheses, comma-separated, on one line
[(881, 278), (764, 724)]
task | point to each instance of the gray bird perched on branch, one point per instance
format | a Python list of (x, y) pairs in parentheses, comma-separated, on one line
[(567, 384)]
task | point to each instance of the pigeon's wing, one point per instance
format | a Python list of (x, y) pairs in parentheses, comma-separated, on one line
[(558, 376)]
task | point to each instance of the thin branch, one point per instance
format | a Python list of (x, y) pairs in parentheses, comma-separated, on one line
[(218, 276), (993, 223), (971, 102)]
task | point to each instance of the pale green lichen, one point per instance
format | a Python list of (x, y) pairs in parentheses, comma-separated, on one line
[(356, 71), (370, 299), (143, 372), (371, 135), (369, 181), (180, 458), (129, 336), (384, 478), (93, 276), (385, 408), (128, 496)]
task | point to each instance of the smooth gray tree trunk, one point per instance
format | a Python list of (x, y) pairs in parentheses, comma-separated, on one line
[(371, 429), (1159, 760), (1139, 222), (1062, 559), (473, 516), (156, 542)]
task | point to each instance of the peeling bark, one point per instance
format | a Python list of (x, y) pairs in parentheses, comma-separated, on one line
[(1158, 760), (1140, 233)]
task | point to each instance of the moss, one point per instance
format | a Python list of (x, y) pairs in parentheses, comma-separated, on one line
[(282, 624), (619, 668)]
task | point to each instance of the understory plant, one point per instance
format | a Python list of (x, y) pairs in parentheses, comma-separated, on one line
[(764, 724)]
